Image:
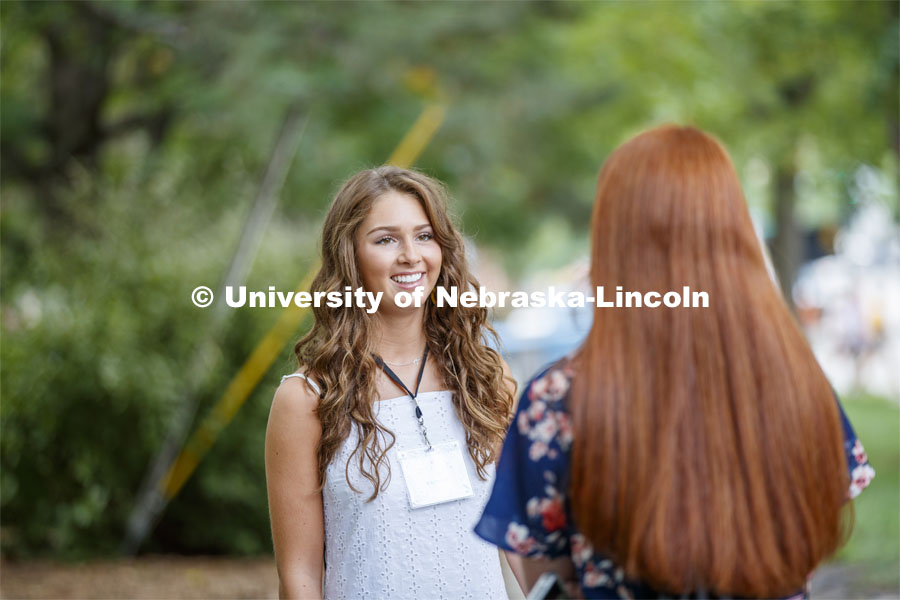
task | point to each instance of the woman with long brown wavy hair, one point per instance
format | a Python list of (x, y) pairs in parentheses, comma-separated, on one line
[(679, 451), (380, 449)]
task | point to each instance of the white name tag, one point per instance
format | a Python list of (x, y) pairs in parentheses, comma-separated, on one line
[(435, 476)]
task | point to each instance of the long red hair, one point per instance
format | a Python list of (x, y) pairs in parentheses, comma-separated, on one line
[(708, 446)]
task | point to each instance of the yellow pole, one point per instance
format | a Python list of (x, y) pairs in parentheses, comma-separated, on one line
[(265, 353), (418, 136), (240, 388)]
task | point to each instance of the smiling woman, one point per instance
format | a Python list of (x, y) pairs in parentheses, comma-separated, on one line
[(380, 449), (396, 247)]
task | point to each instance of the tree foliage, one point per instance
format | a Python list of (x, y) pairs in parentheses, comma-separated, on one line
[(133, 137)]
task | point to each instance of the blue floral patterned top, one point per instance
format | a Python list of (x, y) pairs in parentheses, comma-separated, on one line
[(528, 512)]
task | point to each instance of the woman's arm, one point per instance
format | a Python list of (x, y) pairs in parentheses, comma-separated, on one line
[(295, 502), (527, 571), (512, 560)]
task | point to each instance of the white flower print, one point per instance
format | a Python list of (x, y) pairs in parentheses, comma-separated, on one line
[(545, 430), (537, 450), (538, 388), (860, 479), (581, 551), (595, 578), (565, 430), (859, 453), (518, 539), (536, 410), (523, 423), (558, 386)]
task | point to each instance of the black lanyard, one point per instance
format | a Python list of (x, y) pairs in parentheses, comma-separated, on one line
[(393, 377)]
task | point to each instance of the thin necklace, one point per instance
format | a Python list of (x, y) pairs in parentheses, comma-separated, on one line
[(415, 362), (406, 364)]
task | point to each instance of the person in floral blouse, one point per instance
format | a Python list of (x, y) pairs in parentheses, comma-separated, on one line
[(680, 452)]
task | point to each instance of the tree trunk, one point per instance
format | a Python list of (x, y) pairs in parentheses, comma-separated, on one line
[(786, 249)]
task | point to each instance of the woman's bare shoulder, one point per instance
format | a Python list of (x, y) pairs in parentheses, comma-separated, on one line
[(300, 380), (295, 402)]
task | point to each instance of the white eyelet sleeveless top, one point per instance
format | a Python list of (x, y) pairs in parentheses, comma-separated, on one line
[(385, 549)]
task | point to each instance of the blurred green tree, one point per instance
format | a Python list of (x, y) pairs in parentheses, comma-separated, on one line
[(133, 136)]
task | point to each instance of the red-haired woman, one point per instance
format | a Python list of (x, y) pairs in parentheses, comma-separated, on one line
[(679, 451)]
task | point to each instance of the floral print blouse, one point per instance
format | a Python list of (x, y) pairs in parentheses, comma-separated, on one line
[(528, 512)]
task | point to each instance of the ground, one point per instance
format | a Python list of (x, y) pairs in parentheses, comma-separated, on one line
[(157, 577), (169, 577)]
